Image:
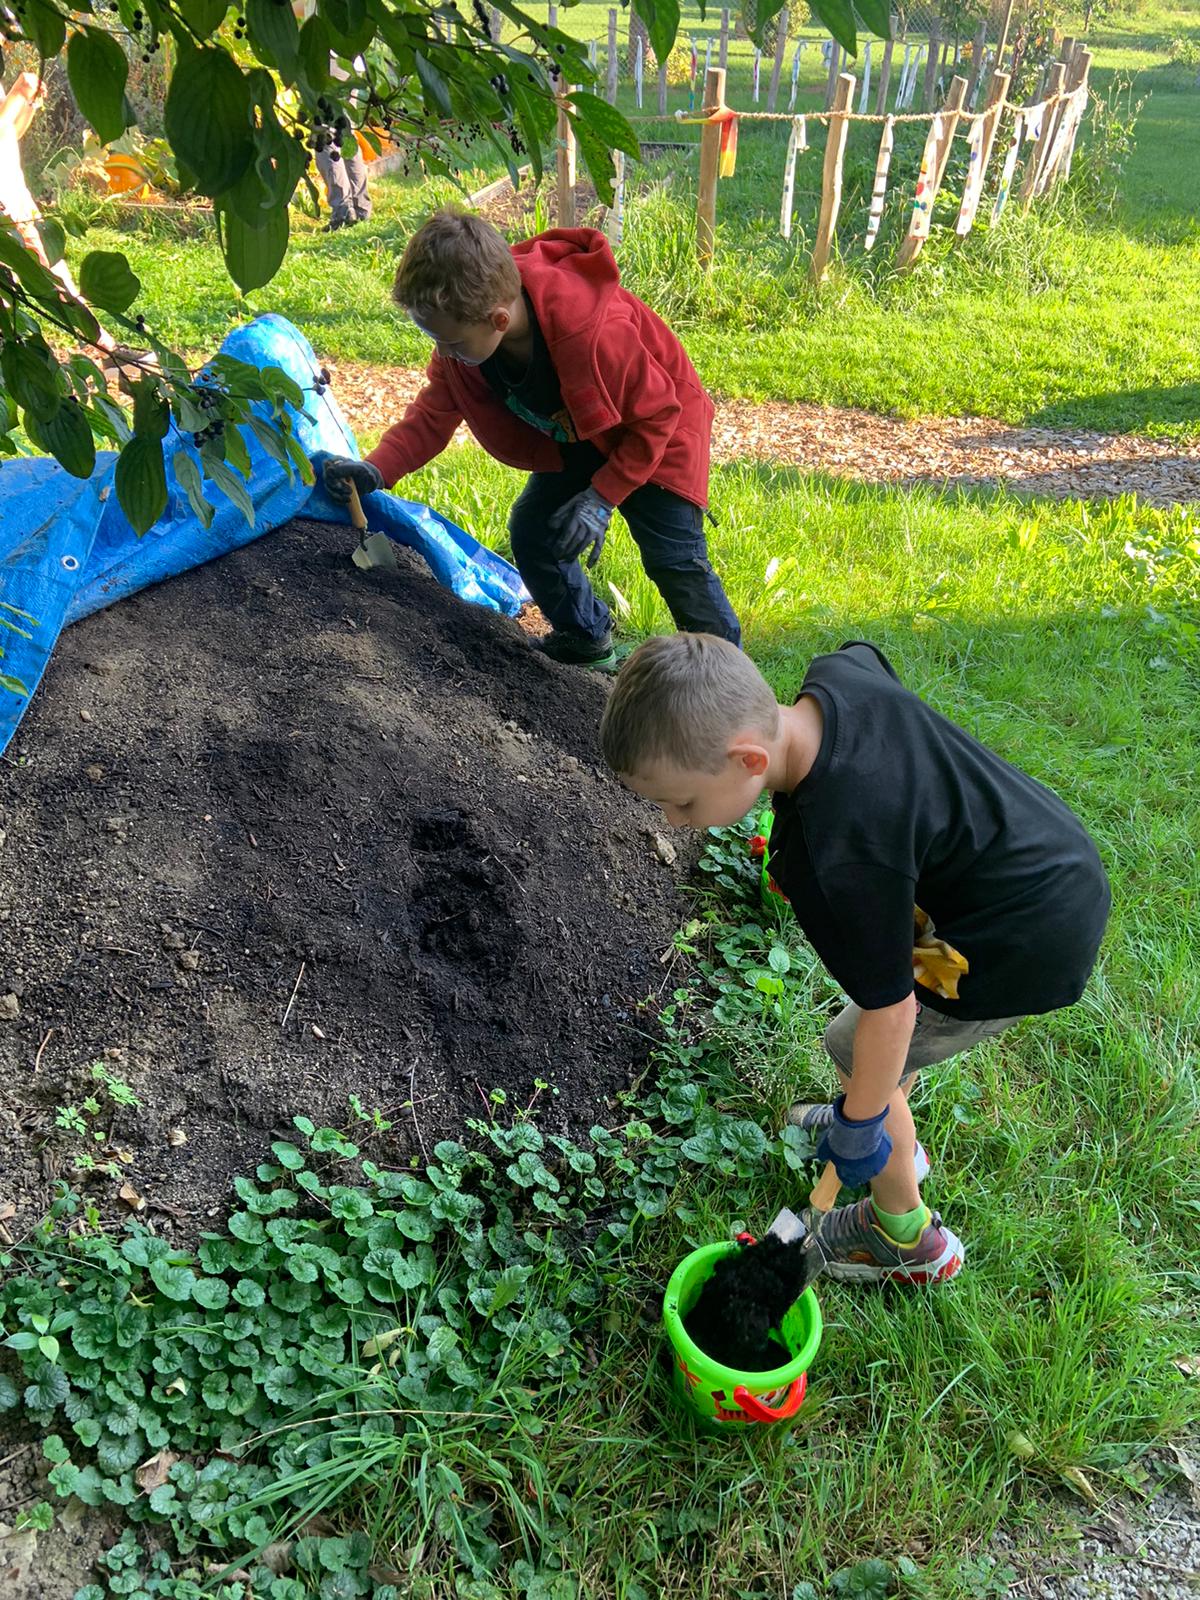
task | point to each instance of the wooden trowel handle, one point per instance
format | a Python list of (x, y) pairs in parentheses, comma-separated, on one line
[(828, 1187), (358, 519)]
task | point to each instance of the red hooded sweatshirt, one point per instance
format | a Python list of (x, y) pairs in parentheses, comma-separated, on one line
[(625, 379)]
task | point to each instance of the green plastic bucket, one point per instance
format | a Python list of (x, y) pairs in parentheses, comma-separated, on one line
[(722, 1395)]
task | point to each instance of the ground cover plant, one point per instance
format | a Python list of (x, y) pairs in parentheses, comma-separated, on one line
[(516, 1436), (1028, 323)]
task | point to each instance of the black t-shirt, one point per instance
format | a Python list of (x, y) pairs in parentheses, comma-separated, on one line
[(903, 807), (533, 395)]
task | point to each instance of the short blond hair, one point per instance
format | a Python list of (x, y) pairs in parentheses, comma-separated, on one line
[(459, 265), (680, 699)]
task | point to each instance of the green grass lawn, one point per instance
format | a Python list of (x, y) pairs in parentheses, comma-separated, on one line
[(1073, 316)]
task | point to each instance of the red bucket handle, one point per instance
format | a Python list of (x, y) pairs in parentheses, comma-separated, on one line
[(754, 1408)]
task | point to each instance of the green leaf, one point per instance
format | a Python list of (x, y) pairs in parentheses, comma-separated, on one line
[(837, 15), (67, 437), (662, 22), (97, 68), (177, 1283), (22, 1341), (208, 118), (437, 95), (48, 1390), (54, 240), (48, 1345), (211, 1293), (877, 16), (288, 1155), (45, 26), (231, 484), (254, 255), (315, 48), (31, 376), (247, 1228), (275, 36), (204, 16), (29, 270), (141, 483), (350, 1204), (9, 1393), (187, 476), (106, 280), (248, 1293)]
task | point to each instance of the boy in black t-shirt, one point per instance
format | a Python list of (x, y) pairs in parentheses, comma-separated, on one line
[(922, 867)]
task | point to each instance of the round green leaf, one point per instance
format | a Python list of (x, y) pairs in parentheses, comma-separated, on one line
[(106, 280), (211, 1293)]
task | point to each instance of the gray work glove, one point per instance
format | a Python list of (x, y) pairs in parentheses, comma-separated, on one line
[(583, 521), (342, 471)]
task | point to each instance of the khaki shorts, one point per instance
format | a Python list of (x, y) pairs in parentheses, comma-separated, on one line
[(936, 1037)]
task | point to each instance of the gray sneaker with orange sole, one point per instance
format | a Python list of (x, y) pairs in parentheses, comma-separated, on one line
[(857, 1250)]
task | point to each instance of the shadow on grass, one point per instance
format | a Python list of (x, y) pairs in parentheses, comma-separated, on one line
[(1126, 410)]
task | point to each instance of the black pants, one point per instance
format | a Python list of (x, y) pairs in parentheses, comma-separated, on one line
[(668, 531)]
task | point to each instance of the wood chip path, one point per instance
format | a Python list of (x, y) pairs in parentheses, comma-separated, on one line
[(942, 452)]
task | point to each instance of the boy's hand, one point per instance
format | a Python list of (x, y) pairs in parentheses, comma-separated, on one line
[(342, 471), (581, 522), (859, 1150)]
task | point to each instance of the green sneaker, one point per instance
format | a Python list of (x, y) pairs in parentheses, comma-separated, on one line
[(857, 1250), (815, 1117), (576, 650)]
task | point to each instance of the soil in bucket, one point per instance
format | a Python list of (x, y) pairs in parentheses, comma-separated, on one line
[(737, 1317)]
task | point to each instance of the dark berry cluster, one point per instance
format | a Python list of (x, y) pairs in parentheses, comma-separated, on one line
[(322, 381)]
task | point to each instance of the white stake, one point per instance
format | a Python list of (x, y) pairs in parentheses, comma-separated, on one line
[(879, 191), (797, 141), (866, 81)]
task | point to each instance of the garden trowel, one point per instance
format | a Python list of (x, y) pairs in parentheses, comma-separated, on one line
[(373, 549), (787, 1226)]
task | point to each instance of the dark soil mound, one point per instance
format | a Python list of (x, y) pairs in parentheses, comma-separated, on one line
[(279, 832)]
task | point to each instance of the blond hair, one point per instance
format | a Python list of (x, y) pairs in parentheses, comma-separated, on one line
[(456, 264), (680, 699)]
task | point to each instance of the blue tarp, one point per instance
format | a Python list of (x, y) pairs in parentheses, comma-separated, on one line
[(66, 549)]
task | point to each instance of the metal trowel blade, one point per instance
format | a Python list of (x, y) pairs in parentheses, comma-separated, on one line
[(376, 551)]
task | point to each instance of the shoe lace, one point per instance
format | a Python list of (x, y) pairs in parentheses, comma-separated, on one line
[(843, 1228)]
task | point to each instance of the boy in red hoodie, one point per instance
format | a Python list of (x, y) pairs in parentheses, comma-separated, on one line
[(558, 370)]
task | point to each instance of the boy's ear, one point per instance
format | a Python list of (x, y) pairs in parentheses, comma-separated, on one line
[(500, 318), (752, 758)]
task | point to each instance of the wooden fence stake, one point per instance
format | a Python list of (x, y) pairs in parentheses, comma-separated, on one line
[(781, 33), (951, 113), (835, 67), (662, 90), (885, 71), (495, 23), (565, 162), (710, 164), (1083, 66), (723, 58), (979, 44), (610, 92), (1033, 165), (831, 179), (552, 16), (931, 70)]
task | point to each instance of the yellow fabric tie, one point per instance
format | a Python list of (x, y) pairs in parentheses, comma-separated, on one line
[(936, 964)]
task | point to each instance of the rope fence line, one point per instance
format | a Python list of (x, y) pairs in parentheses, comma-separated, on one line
[(698, 118), (1050, 123)]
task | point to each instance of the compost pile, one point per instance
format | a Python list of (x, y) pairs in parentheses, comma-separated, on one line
[(747, 1296), (280, 832)]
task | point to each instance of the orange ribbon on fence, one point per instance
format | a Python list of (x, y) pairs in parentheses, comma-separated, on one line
[(728, 122)]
